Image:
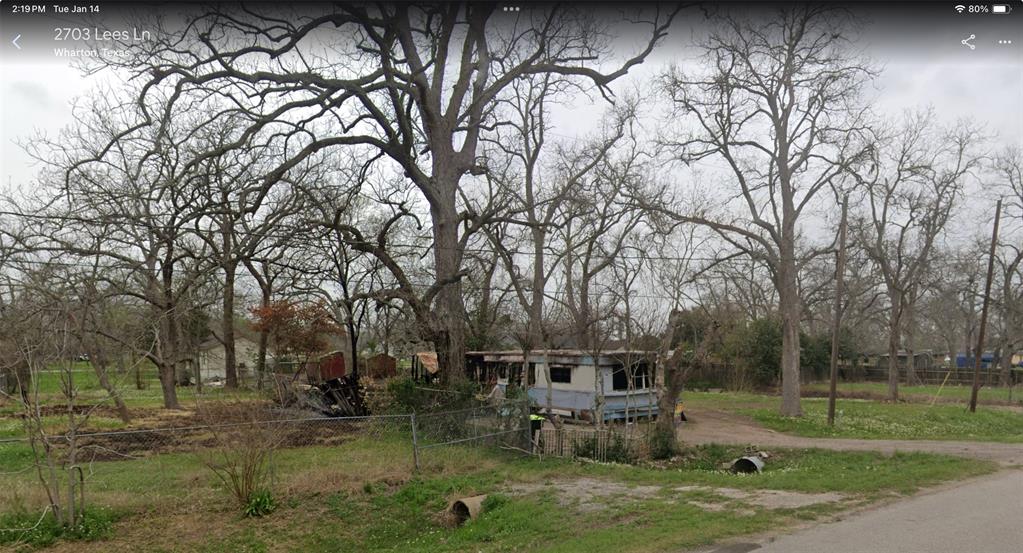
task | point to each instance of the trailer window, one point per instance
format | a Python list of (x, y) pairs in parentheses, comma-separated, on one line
[(640, 373), (561, 375)]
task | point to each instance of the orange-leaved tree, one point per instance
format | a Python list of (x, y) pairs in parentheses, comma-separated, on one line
[(297, 331)]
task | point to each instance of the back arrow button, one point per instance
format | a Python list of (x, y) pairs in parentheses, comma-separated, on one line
[(15, 42)]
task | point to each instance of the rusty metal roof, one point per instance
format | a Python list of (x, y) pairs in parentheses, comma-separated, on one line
[(428, 359)]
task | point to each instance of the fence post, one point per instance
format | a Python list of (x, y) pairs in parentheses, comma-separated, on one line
[(415, 441)]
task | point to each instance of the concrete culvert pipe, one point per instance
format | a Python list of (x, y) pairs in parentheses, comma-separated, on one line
[(748, 465), (467, 508)]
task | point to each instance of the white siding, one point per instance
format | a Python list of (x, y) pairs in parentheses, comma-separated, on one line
[(211, 361), (582, 379)]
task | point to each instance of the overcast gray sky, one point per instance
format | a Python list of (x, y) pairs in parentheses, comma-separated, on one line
[(924, 59)]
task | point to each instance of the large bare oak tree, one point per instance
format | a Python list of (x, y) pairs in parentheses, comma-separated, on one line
[(414, 85), (778, 110)]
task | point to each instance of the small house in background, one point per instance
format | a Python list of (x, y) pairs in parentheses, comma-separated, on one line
[(381, 366), (326, 367), (425, 367), (624, 389), (210, 358), (922, 360), (967, 360)]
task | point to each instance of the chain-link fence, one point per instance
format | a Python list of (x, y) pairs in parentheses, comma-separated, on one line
[(177, 468), (503, 424)]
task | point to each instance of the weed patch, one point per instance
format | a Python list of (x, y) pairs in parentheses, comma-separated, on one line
[(28, 528)]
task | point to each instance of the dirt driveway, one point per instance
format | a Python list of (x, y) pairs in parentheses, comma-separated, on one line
[(711, 426)]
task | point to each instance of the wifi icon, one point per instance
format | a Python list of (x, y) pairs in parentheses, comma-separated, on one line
[(960, 8)]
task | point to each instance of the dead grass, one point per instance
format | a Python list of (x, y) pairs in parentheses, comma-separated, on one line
[(315, 480), (157, 532)]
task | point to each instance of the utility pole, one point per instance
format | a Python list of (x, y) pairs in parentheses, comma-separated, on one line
[(983, 312), (837, 325)]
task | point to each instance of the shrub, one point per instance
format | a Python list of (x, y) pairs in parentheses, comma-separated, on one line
[(405, 395), (663, 445), (261, 503), (756, 346), (241, 454), (616, 449)]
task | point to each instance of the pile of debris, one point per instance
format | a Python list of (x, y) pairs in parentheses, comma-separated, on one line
[(336, 397)]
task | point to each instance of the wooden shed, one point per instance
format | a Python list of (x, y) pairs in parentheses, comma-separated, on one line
[(327, 367), (381, 366)]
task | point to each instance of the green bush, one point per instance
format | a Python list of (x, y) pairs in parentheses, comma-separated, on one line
[(616, 451), (815, 355), (261, 503), (663, 445), (756, 347), (405, 395), (28, 528)]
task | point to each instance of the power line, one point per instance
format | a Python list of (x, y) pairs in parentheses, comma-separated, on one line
[(425, 248)]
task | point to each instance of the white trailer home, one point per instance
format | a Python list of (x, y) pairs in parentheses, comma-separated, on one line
[(611, 385)]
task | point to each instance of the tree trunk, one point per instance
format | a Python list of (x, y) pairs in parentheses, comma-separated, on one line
[(550, 384), (1011, 327), (104, 382), (227, 328), (167, 385), (168, 365), (182, 365), (194, 362), (1005, 364), (788, 295), (598, 386), (23, 380), (893, 350), (448, 307), (167, 368), (353, 343), (100, 362), (669, 378), (169, 348), (264, 340), (911, 377), (836, 326)]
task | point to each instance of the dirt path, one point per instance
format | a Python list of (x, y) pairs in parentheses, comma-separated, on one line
[(711, 426)]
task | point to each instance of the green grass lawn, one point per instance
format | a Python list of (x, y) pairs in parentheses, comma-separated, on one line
[(871, 419), (52, 383), (363, 496), (87, 391), (925, 393)]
